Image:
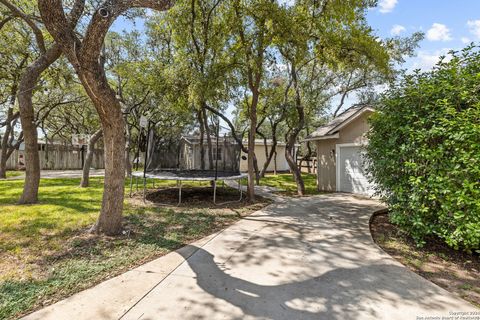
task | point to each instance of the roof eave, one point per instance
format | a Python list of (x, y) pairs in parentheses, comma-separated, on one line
[(350, 119), (324, 137)]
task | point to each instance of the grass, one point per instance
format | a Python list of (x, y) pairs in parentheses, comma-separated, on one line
[(286, 184), (11, 174), (46, 253)]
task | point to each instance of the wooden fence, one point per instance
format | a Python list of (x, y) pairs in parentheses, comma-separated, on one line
[(307, 165), (58, 159)]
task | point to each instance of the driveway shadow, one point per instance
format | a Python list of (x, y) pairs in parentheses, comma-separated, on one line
[(342, 293)]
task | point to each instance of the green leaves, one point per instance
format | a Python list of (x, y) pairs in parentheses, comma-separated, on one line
[(424, 151)]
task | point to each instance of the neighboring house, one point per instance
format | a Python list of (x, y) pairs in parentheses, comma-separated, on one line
[(225, 153), (278, 163), (341, 166)]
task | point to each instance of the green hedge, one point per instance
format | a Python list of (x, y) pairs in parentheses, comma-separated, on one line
[(424, 152)]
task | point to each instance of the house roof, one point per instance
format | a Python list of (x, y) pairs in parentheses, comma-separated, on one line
[(330, 130), (260, 142), (194, 139)]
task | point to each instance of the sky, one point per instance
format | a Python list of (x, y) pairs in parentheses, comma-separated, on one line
[(447, 24)]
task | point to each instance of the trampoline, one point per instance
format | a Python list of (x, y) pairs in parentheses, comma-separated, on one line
[(189, 158)]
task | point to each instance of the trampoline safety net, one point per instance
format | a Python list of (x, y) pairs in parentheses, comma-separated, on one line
[(190, 156)]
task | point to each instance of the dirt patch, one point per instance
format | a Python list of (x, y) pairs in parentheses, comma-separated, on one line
[(196, 197), (453, 270)]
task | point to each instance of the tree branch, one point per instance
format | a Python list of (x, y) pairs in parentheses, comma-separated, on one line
[(104, 17), (36, 30), (230, 125), (4, 22)]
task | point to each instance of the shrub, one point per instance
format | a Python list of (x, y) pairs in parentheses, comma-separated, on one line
[(424, 151)]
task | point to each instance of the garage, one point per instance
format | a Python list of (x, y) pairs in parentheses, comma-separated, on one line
[(340, 156), (351, 170)]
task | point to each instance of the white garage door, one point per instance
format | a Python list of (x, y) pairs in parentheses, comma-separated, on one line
[(351, 174)]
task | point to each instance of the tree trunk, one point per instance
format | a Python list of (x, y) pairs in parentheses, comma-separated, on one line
[(4, 144), (11, 147), (46, 149), (110, 219), (293, 134), (128, 163), (308, 156), (3, 163), (113, 126), (209, 138), (275, 163), (272, 152), (88, 159), (251, 146), (297, 175), (257, 170), (202, 134), (28, 83)]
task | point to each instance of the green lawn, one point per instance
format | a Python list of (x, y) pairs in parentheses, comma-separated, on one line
[(287, 185), (46, 253), (11, 174)]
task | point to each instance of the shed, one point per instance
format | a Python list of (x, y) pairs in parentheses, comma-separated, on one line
[(340, 153), (225, 153), (278, 163)]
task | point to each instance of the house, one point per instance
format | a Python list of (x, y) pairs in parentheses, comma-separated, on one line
[(225, 153), (340, 155), (278, 162)]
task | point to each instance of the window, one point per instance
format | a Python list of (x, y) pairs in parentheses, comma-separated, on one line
[(217, 153)]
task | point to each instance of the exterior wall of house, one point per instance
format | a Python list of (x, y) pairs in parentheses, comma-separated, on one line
[(282, 164), (226, 162), (326, 164), (354, 132)]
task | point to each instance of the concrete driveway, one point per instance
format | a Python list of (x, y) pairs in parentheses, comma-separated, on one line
[(54, 174), (300, 258)]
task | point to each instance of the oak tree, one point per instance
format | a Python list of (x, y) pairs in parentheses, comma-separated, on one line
[(84, 54)]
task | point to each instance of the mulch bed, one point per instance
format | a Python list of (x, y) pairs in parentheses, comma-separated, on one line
[(453, 270)]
